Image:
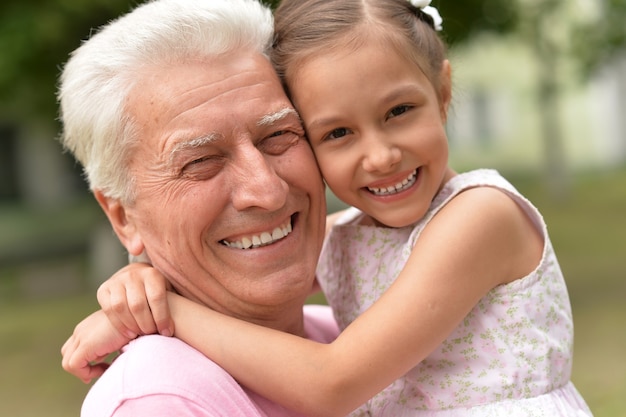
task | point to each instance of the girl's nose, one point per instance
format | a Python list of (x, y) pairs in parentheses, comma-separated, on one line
[(380, 156)]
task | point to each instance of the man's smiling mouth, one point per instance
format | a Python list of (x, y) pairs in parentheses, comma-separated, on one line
[(262, 239), (399, 187)]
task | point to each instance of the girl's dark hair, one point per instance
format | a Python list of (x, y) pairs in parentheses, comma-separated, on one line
[(304, 28)]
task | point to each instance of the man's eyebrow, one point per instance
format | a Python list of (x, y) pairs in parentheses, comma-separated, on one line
[(272, 118), (193, 143)]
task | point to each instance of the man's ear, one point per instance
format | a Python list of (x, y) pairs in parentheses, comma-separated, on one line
[(445, 89), (124, 227)]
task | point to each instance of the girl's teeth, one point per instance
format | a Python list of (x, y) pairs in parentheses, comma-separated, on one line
[(401, 186)]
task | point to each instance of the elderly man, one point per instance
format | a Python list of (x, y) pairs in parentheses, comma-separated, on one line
[(190, 145)]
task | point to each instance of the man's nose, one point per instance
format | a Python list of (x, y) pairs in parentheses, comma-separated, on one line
[(380, 155), (256, 183)]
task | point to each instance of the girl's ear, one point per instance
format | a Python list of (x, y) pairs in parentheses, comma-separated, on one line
[(445, 89), (124, 228)]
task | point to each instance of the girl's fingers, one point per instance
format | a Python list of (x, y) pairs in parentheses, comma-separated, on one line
[(119, 312), (156, 292), (137, 298)]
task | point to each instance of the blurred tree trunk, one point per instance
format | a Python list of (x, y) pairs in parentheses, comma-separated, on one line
[(539, 27), (549, 106)]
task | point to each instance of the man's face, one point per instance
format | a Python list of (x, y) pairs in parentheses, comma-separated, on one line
[(222, 164)]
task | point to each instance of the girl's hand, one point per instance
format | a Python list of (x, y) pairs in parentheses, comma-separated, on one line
[(94, 338), (135, 301)]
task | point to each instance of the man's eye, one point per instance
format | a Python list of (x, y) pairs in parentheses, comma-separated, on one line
[(202, 168), (278, 142), (198, 161)]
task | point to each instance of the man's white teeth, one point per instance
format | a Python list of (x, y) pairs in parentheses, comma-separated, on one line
[(265, 238), (401, 186)]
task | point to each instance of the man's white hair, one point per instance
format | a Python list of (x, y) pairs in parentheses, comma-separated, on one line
[(97, 79)]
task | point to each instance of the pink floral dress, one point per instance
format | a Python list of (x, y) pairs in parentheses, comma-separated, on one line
[(511, 356)]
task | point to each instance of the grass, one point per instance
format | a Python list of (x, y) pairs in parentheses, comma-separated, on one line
[(588, 231), (32, 382)]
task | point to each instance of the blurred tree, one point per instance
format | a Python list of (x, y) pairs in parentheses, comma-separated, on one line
[(599, 35), (546, 30), (36, 37), (585, 34)]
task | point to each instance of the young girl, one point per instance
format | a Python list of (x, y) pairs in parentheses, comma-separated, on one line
[(446, 286)]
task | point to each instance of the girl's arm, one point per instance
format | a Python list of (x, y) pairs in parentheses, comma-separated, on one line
[(134, 300), (134, 297), (86, 350), (479, 240)]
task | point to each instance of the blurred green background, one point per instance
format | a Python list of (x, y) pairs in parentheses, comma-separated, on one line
[(540, 94)]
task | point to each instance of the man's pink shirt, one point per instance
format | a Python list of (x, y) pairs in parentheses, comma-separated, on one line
[(163, 376)]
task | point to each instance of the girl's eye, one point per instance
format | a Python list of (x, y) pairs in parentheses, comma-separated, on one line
[(397, 111), (337, 133)]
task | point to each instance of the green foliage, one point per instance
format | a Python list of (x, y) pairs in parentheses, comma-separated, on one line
[(272, 3), (599, 37), (462, 20), (36, 38)]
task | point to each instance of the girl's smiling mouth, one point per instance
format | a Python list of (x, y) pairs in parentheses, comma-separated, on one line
[(397, 188)]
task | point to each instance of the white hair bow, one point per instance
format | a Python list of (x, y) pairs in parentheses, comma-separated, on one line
[(424, 5)]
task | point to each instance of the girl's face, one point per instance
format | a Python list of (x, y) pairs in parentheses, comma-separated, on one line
[(376, 125)]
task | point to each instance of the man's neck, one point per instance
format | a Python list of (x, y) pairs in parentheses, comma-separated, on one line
[(288, 320)]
